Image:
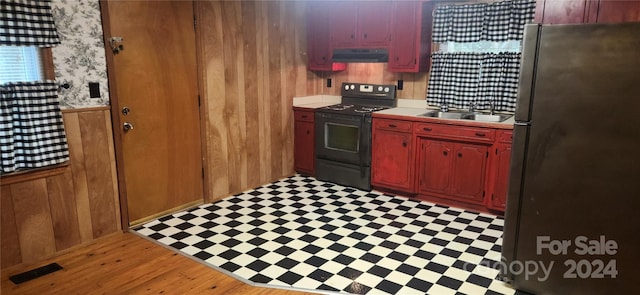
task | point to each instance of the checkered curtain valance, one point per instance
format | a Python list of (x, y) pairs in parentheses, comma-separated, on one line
[(457, 79), (27, 23), (498, 22), (498, 81), (31, 128), (454, 79)]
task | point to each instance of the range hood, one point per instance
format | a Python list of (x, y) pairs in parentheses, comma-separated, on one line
[(360, 55)]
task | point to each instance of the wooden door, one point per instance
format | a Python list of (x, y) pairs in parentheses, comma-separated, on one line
[(155, 76), (434, 166), (391, 160), (467, 179)]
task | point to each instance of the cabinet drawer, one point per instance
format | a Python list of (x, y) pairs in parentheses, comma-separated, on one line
[(455, 132), (303, 116), (393, 125), (505, 136)]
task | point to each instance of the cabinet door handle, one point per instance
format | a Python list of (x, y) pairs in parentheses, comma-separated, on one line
[(404, 143), (304, 116), (459, 155), (426, 129), (365, 35), (445, 153), (392, 126), (307, 131), (480, 134), (353, 36)]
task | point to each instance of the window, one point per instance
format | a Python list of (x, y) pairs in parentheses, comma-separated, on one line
[(31, 128), (20, 64), (478, 57), (480, 47)]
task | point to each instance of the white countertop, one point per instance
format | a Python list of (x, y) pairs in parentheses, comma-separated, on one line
[(316, 101), (406, 108)]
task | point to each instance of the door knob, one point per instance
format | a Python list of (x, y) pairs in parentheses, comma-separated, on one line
[(125, 111), (127, 126)]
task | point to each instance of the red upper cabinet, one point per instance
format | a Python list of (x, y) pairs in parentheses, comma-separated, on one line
[(611, 11), (319, 38), (360, 24), (374, 23), (410, 36), (344, 24), (565, 12), (587, 11)]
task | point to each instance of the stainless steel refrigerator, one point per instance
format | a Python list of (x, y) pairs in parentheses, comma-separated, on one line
[(572, 223)]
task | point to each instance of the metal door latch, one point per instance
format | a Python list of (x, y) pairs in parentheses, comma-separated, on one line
[(115, 47), (127, 126)]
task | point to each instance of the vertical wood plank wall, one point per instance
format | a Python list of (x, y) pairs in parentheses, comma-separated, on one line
[(252, 63), (43, 216)]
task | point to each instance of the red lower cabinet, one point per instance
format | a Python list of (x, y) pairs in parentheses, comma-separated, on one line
[(304, 142), (434, 166), (467, 177), (392, 155), (452, 170), (460, 165)]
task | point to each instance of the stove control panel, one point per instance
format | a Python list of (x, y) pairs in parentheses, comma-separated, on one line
[(368, 94), (364, 89)]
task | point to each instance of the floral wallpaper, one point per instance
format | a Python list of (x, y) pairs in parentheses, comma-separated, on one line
[(80, 58)]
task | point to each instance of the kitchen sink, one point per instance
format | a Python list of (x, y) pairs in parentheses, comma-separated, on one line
[(443, 115), (466, 116), (486, 117)]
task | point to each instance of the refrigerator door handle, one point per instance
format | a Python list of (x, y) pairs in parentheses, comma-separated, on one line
[(514, 194)]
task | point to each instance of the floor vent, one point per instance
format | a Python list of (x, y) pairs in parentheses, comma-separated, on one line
[(35, 273)]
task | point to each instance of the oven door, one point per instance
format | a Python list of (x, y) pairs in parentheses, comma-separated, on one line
[(343, 138)]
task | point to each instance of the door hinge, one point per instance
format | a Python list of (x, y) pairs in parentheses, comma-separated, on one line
[(195, 22), (198, 100), (496, 151), (483, 193), (487, 154), (491, 197), (202, 172)]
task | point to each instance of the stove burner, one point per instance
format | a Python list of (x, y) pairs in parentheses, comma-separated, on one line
[(339, 107), (369, 109)]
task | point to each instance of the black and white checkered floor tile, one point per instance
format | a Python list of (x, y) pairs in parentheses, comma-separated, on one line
[(303, 234)]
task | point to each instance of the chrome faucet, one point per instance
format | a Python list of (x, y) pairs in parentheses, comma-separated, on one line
[(473, 106), (492, 107)]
